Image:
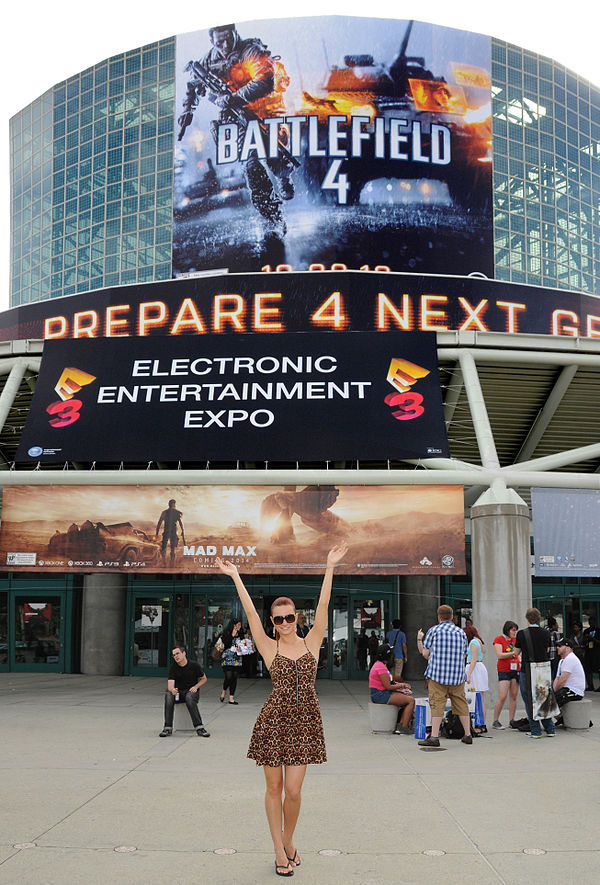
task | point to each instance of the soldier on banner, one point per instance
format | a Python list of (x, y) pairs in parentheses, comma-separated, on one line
[(245, 82)]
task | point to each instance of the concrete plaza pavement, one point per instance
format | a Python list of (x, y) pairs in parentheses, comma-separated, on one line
[(85, 774)]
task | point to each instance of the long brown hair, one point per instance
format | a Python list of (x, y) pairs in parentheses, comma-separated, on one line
[(472, 633)]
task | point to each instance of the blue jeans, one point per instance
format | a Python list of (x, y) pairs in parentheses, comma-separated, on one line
[(191, 702), (534, 724)]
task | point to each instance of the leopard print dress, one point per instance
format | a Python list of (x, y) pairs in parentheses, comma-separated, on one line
[(289, 729)]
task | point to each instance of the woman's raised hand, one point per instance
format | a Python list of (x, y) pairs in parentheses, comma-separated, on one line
[(336, 554), (227, 567)]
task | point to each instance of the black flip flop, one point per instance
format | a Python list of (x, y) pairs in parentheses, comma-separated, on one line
[(293, 860)]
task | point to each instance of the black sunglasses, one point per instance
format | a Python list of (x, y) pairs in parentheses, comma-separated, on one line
[(279, 619)]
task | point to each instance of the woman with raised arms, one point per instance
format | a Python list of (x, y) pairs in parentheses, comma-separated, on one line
[(288, 734)]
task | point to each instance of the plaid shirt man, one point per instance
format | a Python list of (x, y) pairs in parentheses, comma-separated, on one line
[(448, 646)]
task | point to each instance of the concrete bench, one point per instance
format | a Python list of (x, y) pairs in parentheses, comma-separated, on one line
[(577, 714), (383, 717)]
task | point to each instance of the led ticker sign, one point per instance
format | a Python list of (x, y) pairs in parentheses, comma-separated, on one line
[(339, 301)]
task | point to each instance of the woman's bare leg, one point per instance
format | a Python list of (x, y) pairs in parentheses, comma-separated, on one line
[(403, 700), (274, 809), (294, 776), (502, 692)]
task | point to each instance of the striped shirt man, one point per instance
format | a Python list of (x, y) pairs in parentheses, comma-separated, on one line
[(447, 644)]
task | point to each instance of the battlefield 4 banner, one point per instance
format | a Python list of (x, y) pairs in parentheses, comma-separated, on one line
[(292, 397), (333, 301), (263, 529), (331, 142)]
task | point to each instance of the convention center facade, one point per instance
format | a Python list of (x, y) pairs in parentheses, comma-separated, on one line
[(282, 282)]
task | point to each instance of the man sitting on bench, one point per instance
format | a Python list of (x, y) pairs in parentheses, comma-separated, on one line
[(183, 681), (569, 684)]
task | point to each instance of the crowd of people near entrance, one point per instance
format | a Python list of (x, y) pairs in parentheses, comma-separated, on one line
[(573, 662), (548, 669)]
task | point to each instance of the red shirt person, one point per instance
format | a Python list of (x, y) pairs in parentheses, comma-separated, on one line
[(509, 667)]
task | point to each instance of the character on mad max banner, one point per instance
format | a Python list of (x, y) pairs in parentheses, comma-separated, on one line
[(312, 506)]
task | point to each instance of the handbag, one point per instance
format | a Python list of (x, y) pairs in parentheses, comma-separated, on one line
[(543, 699), (230, 658), (217, 650), (542, 694)]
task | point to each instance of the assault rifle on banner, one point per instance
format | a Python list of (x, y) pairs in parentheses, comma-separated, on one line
[(208, 84)]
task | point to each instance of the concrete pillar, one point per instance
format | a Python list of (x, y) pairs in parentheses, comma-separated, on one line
[(103, 624), (419, 600), (501, 573)]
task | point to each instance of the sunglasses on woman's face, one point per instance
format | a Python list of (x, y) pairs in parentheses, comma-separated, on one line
[(279, 619)]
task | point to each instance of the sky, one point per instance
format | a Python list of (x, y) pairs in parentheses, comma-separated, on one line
[(46, 42)]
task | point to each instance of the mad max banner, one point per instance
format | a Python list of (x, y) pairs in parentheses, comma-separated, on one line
[(263, 529), (315, 142)]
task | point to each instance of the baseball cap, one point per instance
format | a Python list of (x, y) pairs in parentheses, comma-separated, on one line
[(566, 642)]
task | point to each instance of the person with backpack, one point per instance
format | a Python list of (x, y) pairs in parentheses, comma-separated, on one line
[(396, 640)]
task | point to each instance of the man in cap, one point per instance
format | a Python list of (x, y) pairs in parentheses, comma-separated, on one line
[(569, 684)]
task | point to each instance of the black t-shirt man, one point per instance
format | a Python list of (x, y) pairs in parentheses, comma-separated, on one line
[(184, 677), (533, 642)]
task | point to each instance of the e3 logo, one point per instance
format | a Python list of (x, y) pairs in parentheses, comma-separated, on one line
[(406, 403), (66, 410)]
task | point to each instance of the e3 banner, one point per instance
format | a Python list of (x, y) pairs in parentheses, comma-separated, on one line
[(290, 397), (265, 530)]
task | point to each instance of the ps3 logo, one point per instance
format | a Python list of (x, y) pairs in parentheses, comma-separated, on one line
[(405, 403), (65, 411)]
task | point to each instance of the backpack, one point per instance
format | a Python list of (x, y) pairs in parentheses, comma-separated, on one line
[(452, 727)]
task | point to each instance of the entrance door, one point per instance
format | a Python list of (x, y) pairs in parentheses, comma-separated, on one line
[(39, 632), (3, 630), (210, 618), (150, 652), (370, 623), (339, 638)]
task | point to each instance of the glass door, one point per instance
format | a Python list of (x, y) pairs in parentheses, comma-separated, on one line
[(149, 646), (211, 616), (339, 638), (370, 623), (39, 632), (3, 630)]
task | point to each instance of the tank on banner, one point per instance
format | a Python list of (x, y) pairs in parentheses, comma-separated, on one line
[(331, 142)]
